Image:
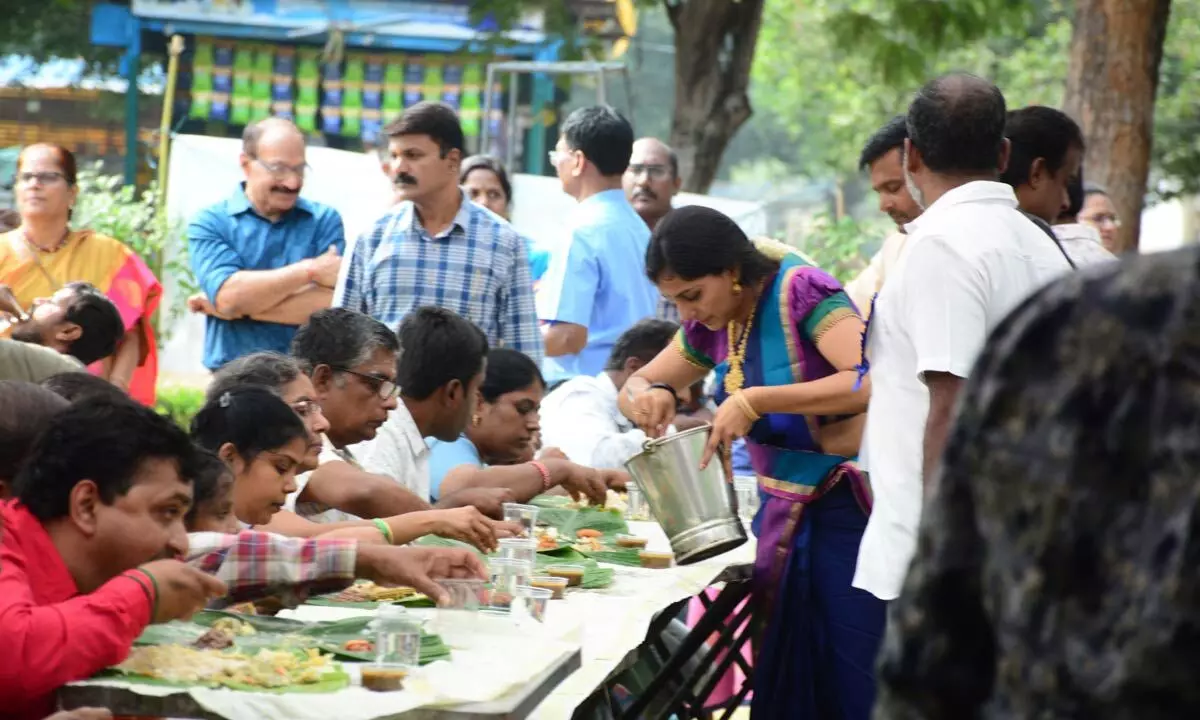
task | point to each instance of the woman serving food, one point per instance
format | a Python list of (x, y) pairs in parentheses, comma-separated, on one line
[(785, 341)]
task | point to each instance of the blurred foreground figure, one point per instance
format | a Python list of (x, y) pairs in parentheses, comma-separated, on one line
[(1055, 575)]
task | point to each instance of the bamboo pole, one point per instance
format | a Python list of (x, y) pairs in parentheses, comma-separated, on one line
[(174, 50)]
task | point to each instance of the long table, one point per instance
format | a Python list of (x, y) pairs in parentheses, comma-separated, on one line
[(592, 635)]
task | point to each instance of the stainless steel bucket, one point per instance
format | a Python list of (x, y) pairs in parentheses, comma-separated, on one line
[(696, 508)]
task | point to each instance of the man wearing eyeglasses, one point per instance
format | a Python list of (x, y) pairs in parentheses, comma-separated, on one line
[(650, 182), (265, 258)]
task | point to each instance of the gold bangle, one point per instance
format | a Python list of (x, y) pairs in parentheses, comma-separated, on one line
[(747, 409)]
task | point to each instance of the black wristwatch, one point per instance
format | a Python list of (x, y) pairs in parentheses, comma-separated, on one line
[(664, 386)]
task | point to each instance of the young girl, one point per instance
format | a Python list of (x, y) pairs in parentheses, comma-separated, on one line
[(212, 496), (262, 440)]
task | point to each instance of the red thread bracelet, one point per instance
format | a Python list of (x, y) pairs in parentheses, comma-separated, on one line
[(545, 473)]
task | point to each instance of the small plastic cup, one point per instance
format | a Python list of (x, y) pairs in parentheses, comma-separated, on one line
[(397, 638), (523, 515), (631, 541), (556, 585), (507, 575), (635, 503), (573, 574), (524, 549), (531, 602), (465, 593)]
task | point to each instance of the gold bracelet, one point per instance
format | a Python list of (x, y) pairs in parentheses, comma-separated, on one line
[(747, 409)]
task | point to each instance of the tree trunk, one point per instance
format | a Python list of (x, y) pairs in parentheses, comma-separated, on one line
[(1116, 48), (714, 49)]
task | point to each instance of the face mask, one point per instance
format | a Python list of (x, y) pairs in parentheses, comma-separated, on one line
[(911, 184)]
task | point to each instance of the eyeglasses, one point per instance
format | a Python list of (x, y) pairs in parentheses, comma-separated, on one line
[(42, 178), (557, 156), (654, 172), (384, 388), (1103, 219), (305, 408), (282, 170)]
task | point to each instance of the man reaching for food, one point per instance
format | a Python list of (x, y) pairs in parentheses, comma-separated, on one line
[(85, 552)]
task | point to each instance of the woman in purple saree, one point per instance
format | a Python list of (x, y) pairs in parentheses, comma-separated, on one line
[(784, 340)]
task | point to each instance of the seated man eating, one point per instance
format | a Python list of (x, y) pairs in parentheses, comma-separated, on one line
[(351, 359)]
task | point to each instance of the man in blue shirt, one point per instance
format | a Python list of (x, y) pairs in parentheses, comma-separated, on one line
[(596, 286), (439, 248), (265, 258)]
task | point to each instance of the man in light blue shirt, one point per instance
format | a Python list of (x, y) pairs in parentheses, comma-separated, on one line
[(439, 248), (595, 287), (265, 258)]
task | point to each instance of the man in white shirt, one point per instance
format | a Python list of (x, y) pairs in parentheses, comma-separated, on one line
[(1045, 162), (971, 257), (881, 157), (581, 417), (440, 372)]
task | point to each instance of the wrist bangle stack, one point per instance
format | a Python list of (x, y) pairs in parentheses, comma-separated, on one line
[(385, 529), (544, 472), (744, 405)]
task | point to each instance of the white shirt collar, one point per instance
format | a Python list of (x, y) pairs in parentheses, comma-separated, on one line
[(976, 191)]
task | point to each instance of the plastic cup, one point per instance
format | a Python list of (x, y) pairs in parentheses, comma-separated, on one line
[(531, 602), (465, 593), (524, 549), (397, 638), (556, 585), (635, 504), (507, 575), (523, 515), (573, 574)]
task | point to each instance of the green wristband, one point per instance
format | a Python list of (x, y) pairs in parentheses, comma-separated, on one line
[(385, 529), (152, 591)]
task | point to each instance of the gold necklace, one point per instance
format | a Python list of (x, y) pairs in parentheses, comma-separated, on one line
[(735, 378)]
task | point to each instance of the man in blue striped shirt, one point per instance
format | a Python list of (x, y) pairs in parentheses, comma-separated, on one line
[(436, 247)]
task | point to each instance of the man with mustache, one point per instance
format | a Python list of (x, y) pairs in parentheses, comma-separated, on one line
[(437, 247), (881, 157), (650, 182), (265, 258), (972, 257)]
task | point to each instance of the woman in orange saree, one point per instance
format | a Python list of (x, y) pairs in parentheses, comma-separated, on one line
[(44, 253)]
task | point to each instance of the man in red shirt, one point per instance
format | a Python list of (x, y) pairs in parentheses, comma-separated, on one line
[(84, 549)]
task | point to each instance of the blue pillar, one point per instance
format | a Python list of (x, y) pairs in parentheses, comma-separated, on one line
[(543, 94), (130, 63)]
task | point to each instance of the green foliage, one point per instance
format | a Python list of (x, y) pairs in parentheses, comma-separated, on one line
[(108, 206), (180, 403), (46, 29), (837, 246), (1176, 153)]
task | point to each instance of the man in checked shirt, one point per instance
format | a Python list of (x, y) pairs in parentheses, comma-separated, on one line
[(436, 247)]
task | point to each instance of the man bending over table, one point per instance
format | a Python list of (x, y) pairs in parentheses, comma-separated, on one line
[(85, 550)]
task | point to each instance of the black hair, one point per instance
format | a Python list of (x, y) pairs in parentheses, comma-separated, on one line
[(102, 439), (509, 370), (957, 123), (76, 385), (1038, 132), (25, 411), (487, 162), (603, 135), (205, 482), (99, 321), (437, 346), (271, 370), (251, 417), (694, 242), (342, 339), (886, 139), (1090, 189), (643, 341), (435, 119)]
